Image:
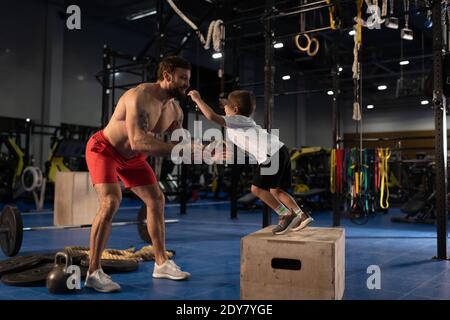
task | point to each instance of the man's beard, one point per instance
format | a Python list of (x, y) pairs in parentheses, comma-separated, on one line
[(177, 93)]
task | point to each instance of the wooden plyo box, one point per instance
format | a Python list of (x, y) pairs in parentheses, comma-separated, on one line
[(75, 199), (309, 264)]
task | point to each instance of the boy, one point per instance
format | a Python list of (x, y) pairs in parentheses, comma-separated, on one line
[(241, 129)]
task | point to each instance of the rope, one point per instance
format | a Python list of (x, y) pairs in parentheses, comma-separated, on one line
[(332, 11), (144, 254), (216, 30), (357, 40), (384, 155), (356, 66)]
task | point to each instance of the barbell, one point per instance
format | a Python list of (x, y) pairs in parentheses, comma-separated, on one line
[(11, 228)]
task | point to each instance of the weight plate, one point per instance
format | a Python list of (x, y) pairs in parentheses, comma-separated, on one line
[(20, 263), (28, 278), (33, 277), (11, 220)]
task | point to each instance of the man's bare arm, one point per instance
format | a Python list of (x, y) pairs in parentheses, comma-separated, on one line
[(139, 122)]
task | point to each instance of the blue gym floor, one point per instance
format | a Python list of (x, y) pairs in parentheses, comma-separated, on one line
[(207, 244)]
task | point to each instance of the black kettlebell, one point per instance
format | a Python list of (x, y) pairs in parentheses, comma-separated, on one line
[(57, 278)]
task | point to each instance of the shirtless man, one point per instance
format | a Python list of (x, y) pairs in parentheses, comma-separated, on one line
[(120, 150)]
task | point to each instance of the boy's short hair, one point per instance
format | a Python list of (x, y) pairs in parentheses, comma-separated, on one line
[(244, 100), (170, 63)]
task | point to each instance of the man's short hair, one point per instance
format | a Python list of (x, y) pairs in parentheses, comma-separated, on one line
[(244, 100), (169, 64)]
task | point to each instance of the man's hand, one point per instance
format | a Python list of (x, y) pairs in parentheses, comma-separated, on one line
[(219, 151), (195, 96), (196, 151), (220, 157)]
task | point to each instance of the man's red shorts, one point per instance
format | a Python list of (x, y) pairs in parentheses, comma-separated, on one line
[(106, 164)]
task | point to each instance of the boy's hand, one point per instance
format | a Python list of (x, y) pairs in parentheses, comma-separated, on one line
[(195, 96), (223, 102)]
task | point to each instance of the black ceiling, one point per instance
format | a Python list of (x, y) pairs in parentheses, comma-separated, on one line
[(381, 53)]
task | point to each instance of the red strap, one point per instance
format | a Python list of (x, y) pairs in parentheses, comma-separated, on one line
[(339, 164), (376, 169)]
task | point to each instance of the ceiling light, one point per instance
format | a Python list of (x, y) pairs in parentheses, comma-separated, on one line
[(278, 45), (141, 14)]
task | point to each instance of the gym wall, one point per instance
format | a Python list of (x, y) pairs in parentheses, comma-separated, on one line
[(318, 119), (381, 119), (21, 58)]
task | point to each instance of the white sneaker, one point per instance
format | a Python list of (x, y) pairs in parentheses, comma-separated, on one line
[(169, 270), (101, 282)]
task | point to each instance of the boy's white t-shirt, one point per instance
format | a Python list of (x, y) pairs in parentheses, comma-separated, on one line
[(250, 137)]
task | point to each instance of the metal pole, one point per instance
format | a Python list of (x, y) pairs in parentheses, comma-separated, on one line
[(269, 70), (440, 133), (113, 86), (106, 85), (235, 167), (221, 75), (28, 129), (161, 27), (335, 138), (183, 186)]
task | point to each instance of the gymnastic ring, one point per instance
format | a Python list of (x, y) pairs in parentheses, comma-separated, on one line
[(297, 44), (32, 178), (313, 53)]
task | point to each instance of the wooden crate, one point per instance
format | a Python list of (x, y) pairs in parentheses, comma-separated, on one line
[(75, 199), (309, 264)]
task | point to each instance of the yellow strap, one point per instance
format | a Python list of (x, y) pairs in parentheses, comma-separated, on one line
[(384, 155), (332, 10), (20, 154), (333, 171)]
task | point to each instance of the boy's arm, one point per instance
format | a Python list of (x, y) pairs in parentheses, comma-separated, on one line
[(207, 111)]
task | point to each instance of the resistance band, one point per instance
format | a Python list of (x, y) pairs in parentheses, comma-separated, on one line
[(339, 163), (333, 171), (384, 155)]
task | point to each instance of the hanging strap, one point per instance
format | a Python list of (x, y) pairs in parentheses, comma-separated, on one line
[(350, 175), (334, 24), (356, 67), (333, 171), (339, 163), (385, 154), (216, 30), (376, 171)]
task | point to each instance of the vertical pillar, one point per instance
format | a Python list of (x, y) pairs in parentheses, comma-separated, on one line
[(53, 75), (269, 70), (336, 120), (440, 105)]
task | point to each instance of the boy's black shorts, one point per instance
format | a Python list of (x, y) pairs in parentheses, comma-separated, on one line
[(281, 179)]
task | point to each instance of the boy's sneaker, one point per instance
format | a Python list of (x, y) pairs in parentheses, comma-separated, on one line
[(286, 223), (169, 270), (305, 220), (101, 282)]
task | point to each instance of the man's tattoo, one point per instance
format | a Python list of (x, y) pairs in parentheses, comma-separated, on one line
[(143, 121)]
